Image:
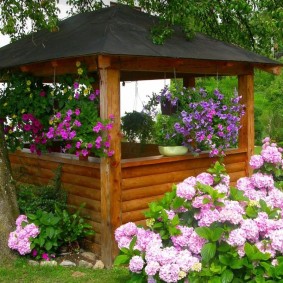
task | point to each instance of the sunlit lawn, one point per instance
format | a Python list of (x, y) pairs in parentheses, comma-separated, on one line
[(21, 271)]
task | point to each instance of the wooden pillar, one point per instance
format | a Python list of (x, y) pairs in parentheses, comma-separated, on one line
[(110, 167), (246, 135), (189, 82)]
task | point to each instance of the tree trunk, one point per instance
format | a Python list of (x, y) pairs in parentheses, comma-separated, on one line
[(8, 201)]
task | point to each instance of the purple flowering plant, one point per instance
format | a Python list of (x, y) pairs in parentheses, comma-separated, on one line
[(205, 231), (209, 121)]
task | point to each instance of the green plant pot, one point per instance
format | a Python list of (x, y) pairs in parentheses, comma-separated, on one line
[(172, 150)]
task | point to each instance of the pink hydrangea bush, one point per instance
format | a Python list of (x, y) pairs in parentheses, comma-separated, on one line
[(20, 239), (269, 161), (206, 231)]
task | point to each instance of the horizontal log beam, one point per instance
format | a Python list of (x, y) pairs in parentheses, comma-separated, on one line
[(185, 66), (137, 68)]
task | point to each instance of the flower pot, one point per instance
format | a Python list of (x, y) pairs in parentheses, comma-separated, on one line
[(167, 108), (172, 150)]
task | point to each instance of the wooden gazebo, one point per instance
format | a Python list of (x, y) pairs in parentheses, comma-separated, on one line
[(116, 43)]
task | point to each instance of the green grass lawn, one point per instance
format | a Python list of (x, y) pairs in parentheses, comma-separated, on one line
[(20, 271)]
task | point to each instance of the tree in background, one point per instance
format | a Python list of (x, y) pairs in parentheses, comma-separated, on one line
[(8, 203), (274, 110), (253, 24)]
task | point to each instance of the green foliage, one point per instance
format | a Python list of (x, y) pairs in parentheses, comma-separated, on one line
[(24, 94), (45, 197), (164, 132), (221, 20), (15, 16), (59, 228), (137, 126), (49, 238), (74, 226)]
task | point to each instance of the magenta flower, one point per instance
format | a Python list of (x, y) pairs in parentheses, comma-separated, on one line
[(77, 95), (78, 144), (58, 115), (45, 256), (91, 96), (68, 146), (42, 93), (84, 152), (34, 253), (110, 153), (27, 127), (76, 85), (25, 117), (99, 126), (77, 123), (77, 112)]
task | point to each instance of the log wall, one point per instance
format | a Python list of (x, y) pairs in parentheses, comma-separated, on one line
[(146, 180), (143, 180), (81, 179)]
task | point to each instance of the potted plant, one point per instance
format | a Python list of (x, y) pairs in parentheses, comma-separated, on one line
[(38, 114), (211, 121), (170, 142), (137, 126)]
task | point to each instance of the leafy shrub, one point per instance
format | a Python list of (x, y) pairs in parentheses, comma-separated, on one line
[(51, 228), (75, 226), (45, 197), (43, 233)]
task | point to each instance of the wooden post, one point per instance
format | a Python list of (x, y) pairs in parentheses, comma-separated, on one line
[(110, 167), (189, 82), (246, 135)]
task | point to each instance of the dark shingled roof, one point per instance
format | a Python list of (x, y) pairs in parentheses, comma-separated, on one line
[(117, 30)]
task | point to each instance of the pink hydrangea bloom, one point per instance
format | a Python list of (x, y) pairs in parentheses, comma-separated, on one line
[(167, 255), (271, 154), (185, 260), (256, 161), (276, 238), (262, 181), (136, 264), (169, 273), (265, 247), (195, 243), (186, 191), (205, 178), (181, 241), (244, 184), (19, 239), (20, 219), (236, 238), (170, 214), (127, 230), (207, 216), (232, 212), (152, 268), (251, 230)]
